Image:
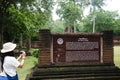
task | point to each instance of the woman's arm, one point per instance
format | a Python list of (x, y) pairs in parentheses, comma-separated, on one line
[(20, 56), (23, 56)]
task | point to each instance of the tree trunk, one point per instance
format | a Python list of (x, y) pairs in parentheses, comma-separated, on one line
[(2, 35), (0, 40), (1, 31), (21, 40), (29, 43)]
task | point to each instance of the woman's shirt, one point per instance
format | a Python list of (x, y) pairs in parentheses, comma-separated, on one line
[(10, 65), (2, 73)]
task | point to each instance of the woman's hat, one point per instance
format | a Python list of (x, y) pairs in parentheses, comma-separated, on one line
[(7, 47)]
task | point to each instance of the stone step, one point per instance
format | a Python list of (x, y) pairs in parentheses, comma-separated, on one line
[(75, 72), (73, 77), (74, 65)]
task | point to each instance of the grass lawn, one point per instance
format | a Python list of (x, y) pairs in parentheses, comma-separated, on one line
[(117, 56), (29, 63)]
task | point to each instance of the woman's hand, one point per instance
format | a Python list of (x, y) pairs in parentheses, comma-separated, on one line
[(20, 56), (23, 55)]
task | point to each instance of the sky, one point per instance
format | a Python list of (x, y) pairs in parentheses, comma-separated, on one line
[(111, 5)]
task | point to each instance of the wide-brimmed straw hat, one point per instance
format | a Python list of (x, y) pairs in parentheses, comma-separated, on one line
[(7, 47)]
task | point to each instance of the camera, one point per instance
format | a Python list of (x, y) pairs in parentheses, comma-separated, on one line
[(20, 52)]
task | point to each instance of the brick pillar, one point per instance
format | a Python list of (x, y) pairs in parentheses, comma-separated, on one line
[(45, 42), (108, 47)]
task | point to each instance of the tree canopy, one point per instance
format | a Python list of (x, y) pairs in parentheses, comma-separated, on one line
[(104, 20), (72, 11), (26, 17)]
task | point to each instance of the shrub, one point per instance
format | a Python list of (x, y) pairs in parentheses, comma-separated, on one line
[(34, 52)]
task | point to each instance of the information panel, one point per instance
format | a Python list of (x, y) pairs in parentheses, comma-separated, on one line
[(76, 48)]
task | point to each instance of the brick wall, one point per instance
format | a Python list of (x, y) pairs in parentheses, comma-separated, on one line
[(45, 41), (108, 47), (45, 46)]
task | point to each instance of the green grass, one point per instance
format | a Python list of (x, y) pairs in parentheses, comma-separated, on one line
[(30, 62), (117, 56)]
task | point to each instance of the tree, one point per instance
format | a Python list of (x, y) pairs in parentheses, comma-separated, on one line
[(57, 26), (3, 11), (26, 17), (116, 27), (70, 12), (105, 20), (96, 5)]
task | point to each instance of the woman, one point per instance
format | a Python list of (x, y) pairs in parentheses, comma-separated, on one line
[(9, 63)]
